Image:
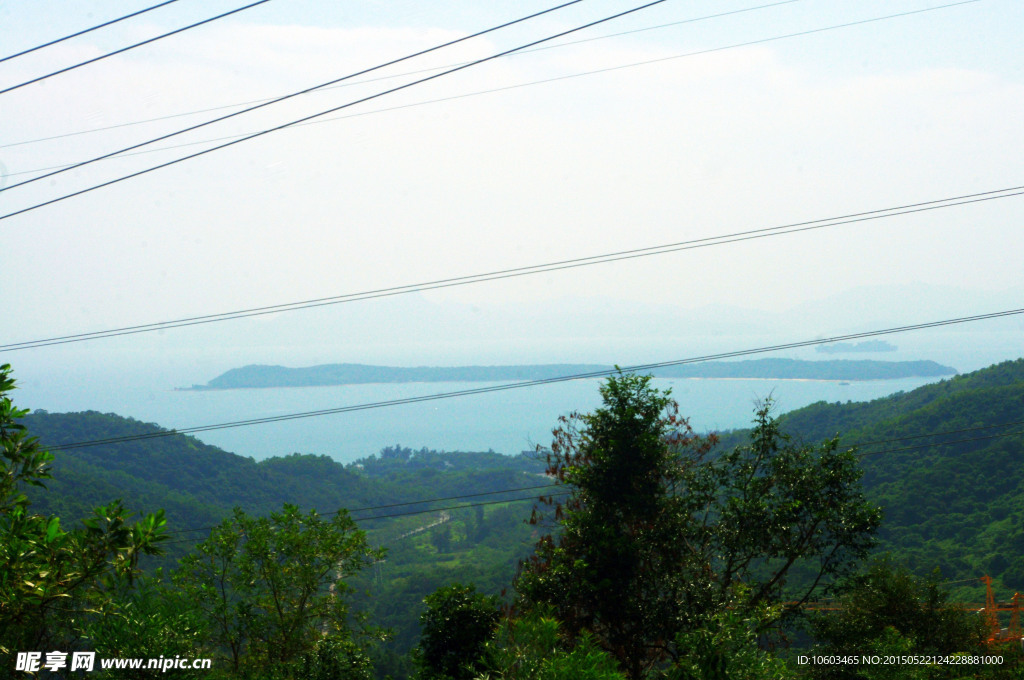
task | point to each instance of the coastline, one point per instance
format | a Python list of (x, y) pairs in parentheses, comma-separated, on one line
[(437, 382)]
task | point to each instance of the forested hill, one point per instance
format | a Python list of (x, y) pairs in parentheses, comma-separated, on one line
[(958, 506), (198, 484), (255, 376)]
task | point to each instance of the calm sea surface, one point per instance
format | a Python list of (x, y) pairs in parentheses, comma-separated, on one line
[(141, 386), (508, 422)]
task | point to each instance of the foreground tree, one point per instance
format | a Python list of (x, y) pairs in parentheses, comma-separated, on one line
[(455, 626), (147, 619), (656, 533), (271, 588), (886, 610), (53, 581), (727, 646), (334, 658), (533, 647)]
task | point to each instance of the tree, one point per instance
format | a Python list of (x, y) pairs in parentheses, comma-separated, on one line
[(656, 533), (727, 647), (334, 658), (887, 610), (442, 539), (533, 647), (271, 587), (456, 624), (52, 581), (147, 619)]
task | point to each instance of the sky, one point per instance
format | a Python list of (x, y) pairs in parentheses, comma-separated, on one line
[(518, 161)]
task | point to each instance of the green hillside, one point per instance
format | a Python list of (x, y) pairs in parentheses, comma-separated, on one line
[(198, 485), (957, 507)]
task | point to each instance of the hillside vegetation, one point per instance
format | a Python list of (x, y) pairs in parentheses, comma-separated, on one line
[(957, 507)]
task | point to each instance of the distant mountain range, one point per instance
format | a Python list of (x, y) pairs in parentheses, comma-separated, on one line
[(260, 376)]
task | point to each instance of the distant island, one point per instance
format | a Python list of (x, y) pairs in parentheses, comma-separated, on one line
[(853, 347), (258, 376)]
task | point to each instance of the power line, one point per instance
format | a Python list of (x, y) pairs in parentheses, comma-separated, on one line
[(397, 514), (529, 269), (87, 30), (557, 484), (452, 498), (243, 136), (605, 70), (132, 47), (963, 580), (369, 80), (290, 96), (505, 88), (955, 441), (933, 434), (454, 507), (554, 485), (337, 108), (396, 505), (641, 368)]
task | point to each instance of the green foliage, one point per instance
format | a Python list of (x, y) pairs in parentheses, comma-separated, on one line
[(199, 484), (148, 620), (456, 624), (52, 581), (726, 647), (958, 507), (334, 658), (269, 588), (534, 647), (656, 534), (774, 506), (886, 610), (621, 566)]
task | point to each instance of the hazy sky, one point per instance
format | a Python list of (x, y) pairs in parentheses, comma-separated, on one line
[(400, 190)]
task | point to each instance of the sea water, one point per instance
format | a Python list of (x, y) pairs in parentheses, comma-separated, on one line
[(508, 421), (141, 385)]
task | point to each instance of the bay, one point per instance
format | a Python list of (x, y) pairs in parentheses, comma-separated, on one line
[(139, 382), (509, 421)]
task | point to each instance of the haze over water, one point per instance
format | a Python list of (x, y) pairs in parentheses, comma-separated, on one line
[(508, 421)]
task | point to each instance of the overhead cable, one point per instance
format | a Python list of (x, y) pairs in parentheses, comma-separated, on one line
[(405, 503), (552, 485), (955, 441), (290, 96), (517, 500), (527, 270), (369, 80), (87, 30), (132, 47), (125, 153), (332, 110), (396, 514), (640, 368), (934, 434), (559, 484)]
